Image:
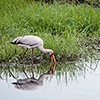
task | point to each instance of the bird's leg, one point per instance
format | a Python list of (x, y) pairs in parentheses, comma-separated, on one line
[(24, 55), (23, 59), (25, 73), (32, 62)]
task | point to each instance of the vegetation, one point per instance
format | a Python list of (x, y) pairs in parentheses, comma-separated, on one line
[(69, 71), (65, 72), (70, 31)]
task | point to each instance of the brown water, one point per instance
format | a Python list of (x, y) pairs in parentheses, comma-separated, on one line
[(70, 81)]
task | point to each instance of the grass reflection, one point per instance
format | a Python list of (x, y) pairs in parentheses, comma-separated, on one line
[(64, 72)]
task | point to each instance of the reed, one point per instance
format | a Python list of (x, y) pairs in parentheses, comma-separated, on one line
[(67, 29)]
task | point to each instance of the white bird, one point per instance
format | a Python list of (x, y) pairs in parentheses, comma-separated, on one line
[(31, 84), (31, 42)]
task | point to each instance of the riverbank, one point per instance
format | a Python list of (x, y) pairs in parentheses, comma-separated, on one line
[(70, 31)]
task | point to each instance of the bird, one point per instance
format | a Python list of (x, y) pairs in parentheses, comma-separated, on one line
[(31, 42), (31, 84)]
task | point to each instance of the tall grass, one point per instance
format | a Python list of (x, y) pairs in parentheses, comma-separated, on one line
[(65, 28), (69, 72)]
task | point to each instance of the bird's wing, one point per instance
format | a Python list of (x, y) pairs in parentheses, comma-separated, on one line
[(28, 40)]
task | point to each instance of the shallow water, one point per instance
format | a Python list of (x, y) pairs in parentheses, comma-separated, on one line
[(70, 81)]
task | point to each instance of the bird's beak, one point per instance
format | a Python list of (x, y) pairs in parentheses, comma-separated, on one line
[(53, 58)]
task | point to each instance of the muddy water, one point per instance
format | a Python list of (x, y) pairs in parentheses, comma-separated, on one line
[(70, 81)]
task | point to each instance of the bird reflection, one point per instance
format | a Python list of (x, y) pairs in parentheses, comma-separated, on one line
[(31, 83)]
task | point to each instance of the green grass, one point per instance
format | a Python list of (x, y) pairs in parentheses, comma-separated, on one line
[(69, 71), (66, 29)]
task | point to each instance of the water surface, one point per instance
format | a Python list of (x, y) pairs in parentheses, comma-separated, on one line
[(70, 81)]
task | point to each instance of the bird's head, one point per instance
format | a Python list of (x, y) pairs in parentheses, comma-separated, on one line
[(49, 51), (51, 54)]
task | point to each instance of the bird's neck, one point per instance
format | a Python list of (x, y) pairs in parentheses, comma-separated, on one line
[(41, 78), (44, 50)]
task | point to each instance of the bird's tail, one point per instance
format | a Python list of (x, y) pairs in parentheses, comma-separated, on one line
[(16, 40), (13, 42)]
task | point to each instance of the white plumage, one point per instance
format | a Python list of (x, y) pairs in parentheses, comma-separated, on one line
[(31, 84), (31, 42)]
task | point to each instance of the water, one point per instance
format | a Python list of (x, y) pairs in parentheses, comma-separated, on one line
[(70, 81)]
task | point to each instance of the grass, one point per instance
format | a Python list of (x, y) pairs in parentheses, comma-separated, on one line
[(69, 71), (67, 29), (65, 72)]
